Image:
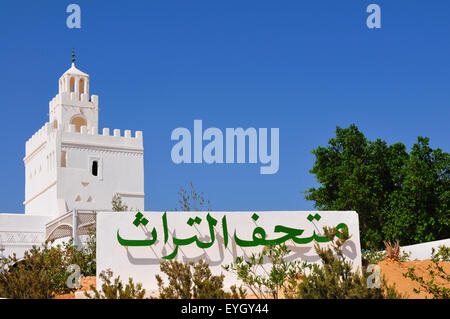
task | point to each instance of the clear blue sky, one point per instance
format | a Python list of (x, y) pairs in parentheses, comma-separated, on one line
[(302, 66)]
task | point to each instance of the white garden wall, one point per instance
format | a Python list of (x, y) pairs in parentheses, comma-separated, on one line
[(423, 251), (133, 251), (19, 232)]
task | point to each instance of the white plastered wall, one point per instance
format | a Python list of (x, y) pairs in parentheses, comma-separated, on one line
[(19, 232), (41, 163), (120, 170)]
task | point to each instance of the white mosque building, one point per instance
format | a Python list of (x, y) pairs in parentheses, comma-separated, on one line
[(72, 170)]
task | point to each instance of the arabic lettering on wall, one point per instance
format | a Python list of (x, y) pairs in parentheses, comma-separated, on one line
[(258, 238)]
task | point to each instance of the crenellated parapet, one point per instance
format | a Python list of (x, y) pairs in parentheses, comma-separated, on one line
[(88, 136), (74, 99), (38, 139)]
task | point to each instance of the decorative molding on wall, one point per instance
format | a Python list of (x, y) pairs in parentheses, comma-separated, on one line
[(68, 106), (127, 194), (40, 193), (26, 159), (21, 237), (30, 245), (103, 149)]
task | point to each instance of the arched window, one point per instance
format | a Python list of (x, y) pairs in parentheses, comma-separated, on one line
[(72, 84), (81, 86), (78, 121)]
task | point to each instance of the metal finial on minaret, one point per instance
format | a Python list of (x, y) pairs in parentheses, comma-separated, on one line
[(73, 55)]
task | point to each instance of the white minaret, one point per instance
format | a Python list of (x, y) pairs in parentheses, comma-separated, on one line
[(68, 165), (80, 109)]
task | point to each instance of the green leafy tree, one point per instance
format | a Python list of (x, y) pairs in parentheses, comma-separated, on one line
[(398, 195)]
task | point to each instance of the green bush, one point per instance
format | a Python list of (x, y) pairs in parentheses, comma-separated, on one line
[(435, 270), (40, 274), (274, 283), (443, 253), (117, 204), (113, 288), (84, 257), (334, 278), (43, 271), (193, 281), (373, 256)]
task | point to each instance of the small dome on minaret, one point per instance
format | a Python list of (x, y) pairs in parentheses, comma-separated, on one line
[(74, 80), (74, 71)]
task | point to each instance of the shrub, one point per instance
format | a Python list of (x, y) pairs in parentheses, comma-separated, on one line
[(277, 282), (392, 250), (373, 256), (43, 271), (443, 253), (193, 281), (334, 279), (192, 201), (113, 288), (40, 274), (84, 257), (117, 204), (435, 270)]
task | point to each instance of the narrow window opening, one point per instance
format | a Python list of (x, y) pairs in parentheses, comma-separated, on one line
[(72, 85), (95, 168), (63, 158), (81, 86), (81, 89)]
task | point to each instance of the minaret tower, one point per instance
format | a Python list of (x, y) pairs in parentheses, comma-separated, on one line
[(72, 105), (69, 165)]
